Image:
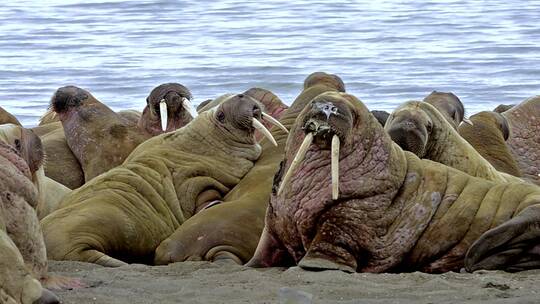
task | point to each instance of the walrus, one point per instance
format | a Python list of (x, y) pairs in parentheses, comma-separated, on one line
[(19, 197), (211, 236), (420, 128), (6, 117), (503, 108), (381, 116), (28, 144), (488, 135), (101, 139), (122, 215), (349, 198), (449, 105), (524, 139)]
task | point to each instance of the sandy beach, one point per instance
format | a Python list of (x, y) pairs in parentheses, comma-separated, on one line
[(204, 282)]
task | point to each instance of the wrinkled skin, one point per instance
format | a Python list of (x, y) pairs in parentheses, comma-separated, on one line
[(23, 260), (124, 214), (6, 117), (418, 127), (178, 115), (395, 212), (29, 146), (449, 105), (61, 165), (488, 136), (211, 236), (382, 116), (524, 139)]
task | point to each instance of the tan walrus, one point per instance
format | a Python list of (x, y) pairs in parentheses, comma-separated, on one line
[(488, 134), (351, 199), (524, 139), (122, 215), (418, 127), (211, 236)]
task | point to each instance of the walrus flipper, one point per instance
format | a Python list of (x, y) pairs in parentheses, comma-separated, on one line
[(269, 253), (512, 246)]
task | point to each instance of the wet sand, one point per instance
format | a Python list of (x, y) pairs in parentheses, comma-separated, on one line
[(204, 282)]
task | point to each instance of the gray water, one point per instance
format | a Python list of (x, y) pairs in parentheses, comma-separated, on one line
[(486, 52)]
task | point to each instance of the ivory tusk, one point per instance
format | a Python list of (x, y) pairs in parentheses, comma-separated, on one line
[(259, 126), (298, 158), (468, 121), (275, 122), (335, 167), (187, 105), (163, 114)]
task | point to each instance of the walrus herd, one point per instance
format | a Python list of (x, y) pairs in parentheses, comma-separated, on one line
[(323, 183)]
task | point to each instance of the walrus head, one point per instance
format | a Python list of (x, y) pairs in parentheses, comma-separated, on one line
[(329, 80), (449, 105), (416, 126), (240, 115), (168, 107), (26, 143)]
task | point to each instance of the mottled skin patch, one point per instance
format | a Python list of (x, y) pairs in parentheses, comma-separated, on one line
[(449, 105), (124, 214), (211, 236), (420, 128), (395, 212), (488, 136), (524, 139)]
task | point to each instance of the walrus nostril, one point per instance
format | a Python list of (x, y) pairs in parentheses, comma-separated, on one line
[(240, 95)]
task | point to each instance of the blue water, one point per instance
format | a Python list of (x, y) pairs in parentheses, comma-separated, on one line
[(486, 52)]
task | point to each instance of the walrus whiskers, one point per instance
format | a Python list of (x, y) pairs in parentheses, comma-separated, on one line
[(259, 126), (297, 160), (275, 122), (163, 114), (335, 167)]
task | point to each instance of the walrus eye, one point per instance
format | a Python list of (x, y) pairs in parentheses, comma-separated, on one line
[(18, 144), (429, 127), (221, 116)]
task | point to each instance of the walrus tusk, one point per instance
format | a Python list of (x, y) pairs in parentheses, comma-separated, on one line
[(468, 121), (335, 167), (259, 126), (275, 122), (297, 160), (163, 114), (188, 107)]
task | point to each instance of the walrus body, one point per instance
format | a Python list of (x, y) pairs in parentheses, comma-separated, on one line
[(488, 135), (122, 215), (210, 235), (524, 139), (449, 105), (61, 164), (420, 128), (393, 211)]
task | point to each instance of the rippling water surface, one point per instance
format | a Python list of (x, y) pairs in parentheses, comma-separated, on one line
[(486, 52)]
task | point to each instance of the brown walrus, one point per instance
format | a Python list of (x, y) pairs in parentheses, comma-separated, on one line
[(28, 144), (524, 139), (6, 117), (349, 198), (503, 108), (122, 215), (101, 139), (418, 127), (209, 235), (488, 135), (449, 105)]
